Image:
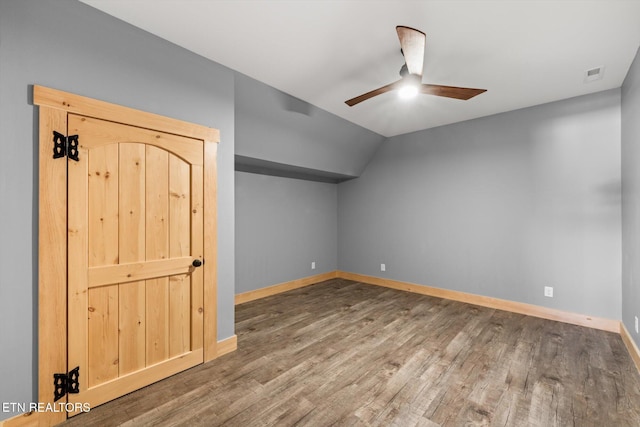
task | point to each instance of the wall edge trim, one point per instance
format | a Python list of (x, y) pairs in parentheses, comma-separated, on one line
[(227, 345), (632, 348), (283, 287), (26, 419), (594, 322), (490, 302)]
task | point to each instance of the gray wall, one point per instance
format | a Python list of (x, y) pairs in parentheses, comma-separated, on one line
[(631, 198), (500, 206), (282, 225), (70, 46), (273, 126)]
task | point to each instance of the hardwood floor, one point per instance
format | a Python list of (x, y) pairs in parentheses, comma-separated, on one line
[(345, 353)]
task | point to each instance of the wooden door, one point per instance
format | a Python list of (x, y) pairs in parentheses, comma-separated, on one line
[(135, 228)]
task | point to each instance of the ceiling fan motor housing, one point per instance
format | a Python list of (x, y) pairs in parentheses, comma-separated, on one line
[(404, 71)]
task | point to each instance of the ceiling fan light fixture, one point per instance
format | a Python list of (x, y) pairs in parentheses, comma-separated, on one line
[(412, 44), (410, 86), (408, 91)]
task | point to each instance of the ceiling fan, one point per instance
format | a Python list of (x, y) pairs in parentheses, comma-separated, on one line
[(412, 42)]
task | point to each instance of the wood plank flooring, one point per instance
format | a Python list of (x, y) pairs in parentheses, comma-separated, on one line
[(348, 354)]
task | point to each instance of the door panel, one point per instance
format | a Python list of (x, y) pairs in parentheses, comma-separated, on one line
[(179, 314), (131, 248), (103, 335), (156, 248), (102, 308), (135, 225), (179, 246)]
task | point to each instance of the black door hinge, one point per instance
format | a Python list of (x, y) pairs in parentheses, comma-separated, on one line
[(66, 383), (65, 146)]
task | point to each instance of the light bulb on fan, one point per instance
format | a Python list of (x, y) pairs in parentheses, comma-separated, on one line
[(410, 84), (408, 91)]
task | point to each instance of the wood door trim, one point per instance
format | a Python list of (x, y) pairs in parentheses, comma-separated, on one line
[(210, 227), (77, 104), (52, 262), (54, 107)]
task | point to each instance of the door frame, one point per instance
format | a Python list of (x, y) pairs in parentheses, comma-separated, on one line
[(54, 107)]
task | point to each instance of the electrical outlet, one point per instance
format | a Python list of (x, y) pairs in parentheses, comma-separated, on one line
[(548, 291), (383, 267), (637, 325), (313, 265)]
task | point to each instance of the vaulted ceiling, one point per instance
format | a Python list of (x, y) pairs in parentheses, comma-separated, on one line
[(324, 52)]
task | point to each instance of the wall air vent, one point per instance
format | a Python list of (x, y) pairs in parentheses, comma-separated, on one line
[(594, 74)]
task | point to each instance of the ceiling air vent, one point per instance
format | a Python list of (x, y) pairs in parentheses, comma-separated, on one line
[(594, 74)]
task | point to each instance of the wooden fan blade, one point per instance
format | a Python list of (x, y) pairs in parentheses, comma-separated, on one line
[(463, 93), (412, 42), (375, 92)]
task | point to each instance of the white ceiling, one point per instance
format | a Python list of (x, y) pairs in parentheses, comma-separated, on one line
[(327, 51)]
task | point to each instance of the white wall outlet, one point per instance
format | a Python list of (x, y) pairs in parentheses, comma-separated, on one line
[(313, 265), (637, 325), (548, 291), (383, 267)]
